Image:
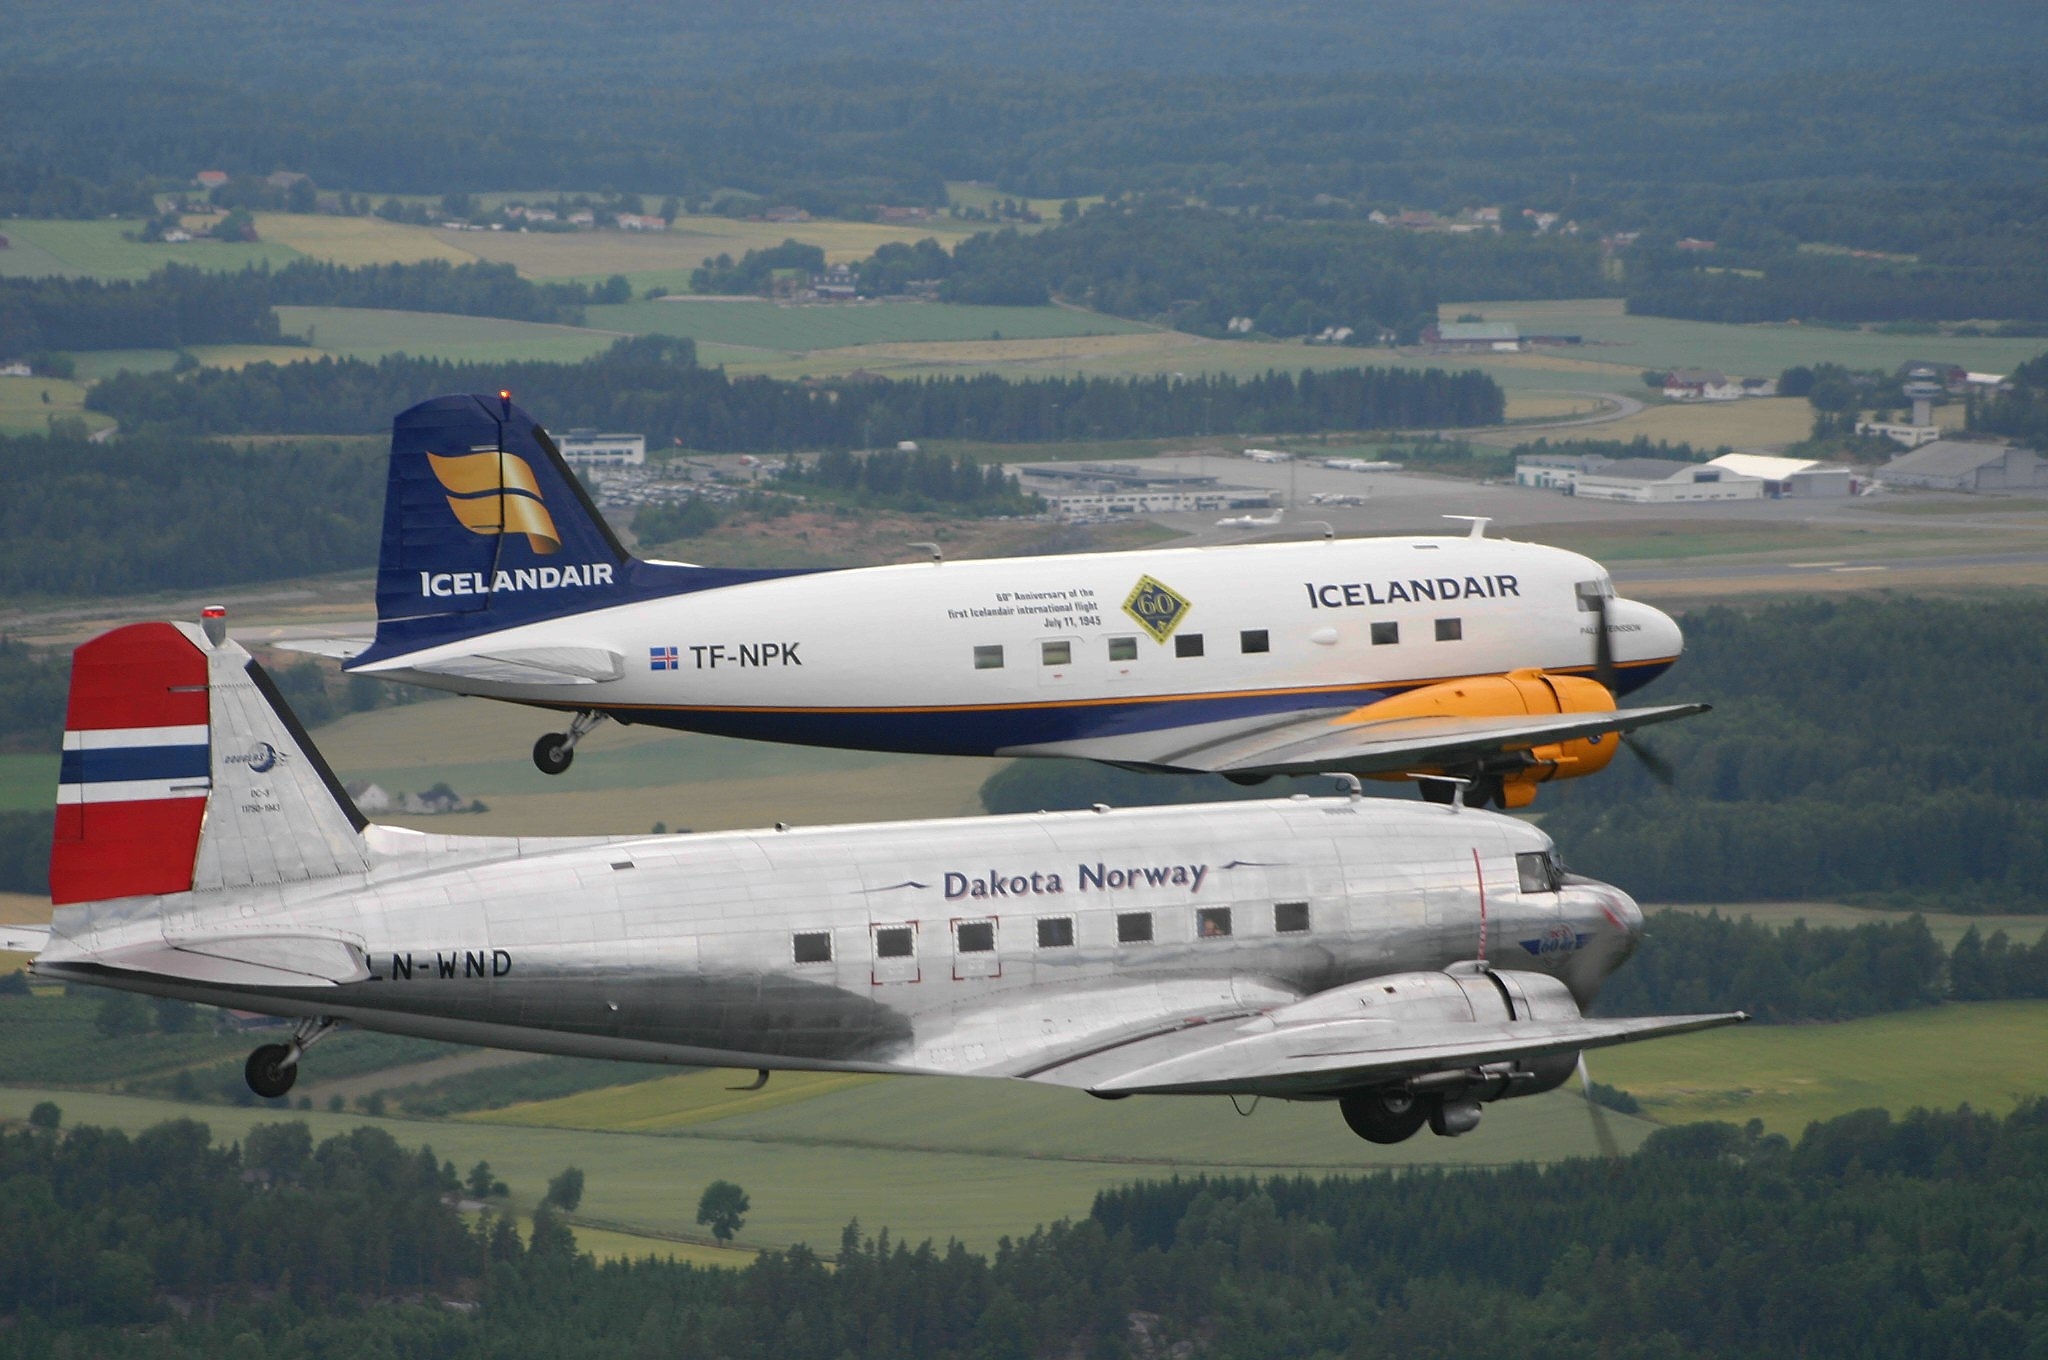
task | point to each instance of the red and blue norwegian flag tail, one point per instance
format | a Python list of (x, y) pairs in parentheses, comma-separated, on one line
[(184, 771), (486, 527), (137, 767)]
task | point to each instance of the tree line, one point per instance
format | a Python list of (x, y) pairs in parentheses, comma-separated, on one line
[(183, 305), (653, 385), (1886, 751), (2022, 413), (1868, 1235), (1796, 285)]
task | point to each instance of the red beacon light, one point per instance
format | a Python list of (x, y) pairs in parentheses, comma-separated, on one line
[(213, 620)]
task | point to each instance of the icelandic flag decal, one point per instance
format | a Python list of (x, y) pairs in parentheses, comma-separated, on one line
[(662, 659)]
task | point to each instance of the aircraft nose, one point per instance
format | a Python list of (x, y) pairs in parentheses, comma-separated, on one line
[(1612, 916), (1643, 632)]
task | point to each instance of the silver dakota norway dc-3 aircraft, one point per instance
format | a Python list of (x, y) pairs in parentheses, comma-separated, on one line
[(1494, 661), (1406, 960)]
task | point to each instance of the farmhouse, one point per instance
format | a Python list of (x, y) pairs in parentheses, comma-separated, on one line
[(1500, 337), (1664, 481), (1967, 465), (1701, 384)]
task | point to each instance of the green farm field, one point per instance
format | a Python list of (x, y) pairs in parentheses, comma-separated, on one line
[(1654, 342), (365, 333), (796, 328), (1987, 1054), (27, 405), (99, 250)]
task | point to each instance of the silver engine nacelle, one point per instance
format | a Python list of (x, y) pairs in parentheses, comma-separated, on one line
[(1450, 1100)]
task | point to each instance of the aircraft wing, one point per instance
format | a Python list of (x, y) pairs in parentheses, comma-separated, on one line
[(340, 648), (1392, 745), (1268, 1055), (523, 666)]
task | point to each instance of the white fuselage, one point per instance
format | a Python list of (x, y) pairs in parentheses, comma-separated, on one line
[(1113, 656)]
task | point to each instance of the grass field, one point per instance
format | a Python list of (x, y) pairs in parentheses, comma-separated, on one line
[(667, 258), (28, 781), (626, 779), (806, 1188), (24, 409), (364, 333), (796, 328), (358, 240), (1763, 351), (1988, 1054), (1709, 425), (100, 250)]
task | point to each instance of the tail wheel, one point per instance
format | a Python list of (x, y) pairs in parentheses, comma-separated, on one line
[(552, 753), (268, 1074), (1386, 1114)]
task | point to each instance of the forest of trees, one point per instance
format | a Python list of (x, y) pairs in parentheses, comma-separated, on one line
[(1791, 285), (175, 307), (1869, 1235), (652, 384), (2021, 414), (158, 512), (1862, 750)]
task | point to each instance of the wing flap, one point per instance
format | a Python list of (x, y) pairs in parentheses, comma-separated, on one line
[(1394, 745), (1262, 1057)]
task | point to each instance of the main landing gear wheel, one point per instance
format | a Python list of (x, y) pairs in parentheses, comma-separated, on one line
[(553, 752), (270, 1071), (1386, 1114)]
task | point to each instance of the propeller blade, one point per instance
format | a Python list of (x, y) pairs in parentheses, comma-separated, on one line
[(1654, 765), (1603, 645), (1602, 1134)]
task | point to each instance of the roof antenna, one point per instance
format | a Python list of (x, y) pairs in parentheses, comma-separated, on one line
[(933, 549), (1478, 523), (1349, 783), (1329, 534)]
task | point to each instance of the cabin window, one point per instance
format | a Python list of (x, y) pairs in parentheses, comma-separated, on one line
[(1539, 870), (1188, 644), (1134, 927), (1212, 923), (1253, 640), (1056, 653), (1055, 932), (1385, 634), (894, 942), (1123, 649), (1450, 630), (975, 937), (812, 946), (1290, 918), (988, 658)]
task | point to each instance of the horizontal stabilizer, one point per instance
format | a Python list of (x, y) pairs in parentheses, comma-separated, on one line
[(24, 939), (1396, 745), (1268, 1056), (339, 648), (521, 666), (243, 961)]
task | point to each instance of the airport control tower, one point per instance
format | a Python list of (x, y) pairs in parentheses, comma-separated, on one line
[(1922, 387)]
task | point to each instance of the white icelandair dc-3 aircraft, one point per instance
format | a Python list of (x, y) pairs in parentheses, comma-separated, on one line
[(1406, 960), (1492, 661)]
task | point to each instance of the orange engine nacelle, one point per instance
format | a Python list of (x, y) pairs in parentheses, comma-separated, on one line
[(1511, 695)]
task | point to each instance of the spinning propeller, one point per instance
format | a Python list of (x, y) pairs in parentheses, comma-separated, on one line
[(1653, 764)]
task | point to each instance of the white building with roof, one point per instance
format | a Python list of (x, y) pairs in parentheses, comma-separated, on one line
[(1968, 465), (1665, 481), (602, 452), (1789, 478)]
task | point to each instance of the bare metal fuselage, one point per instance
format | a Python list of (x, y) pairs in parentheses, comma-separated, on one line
[(1003, 946)]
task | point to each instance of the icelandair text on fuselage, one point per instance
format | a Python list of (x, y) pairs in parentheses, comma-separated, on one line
[(1097, 877), (1408, 592), (524, 578)]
